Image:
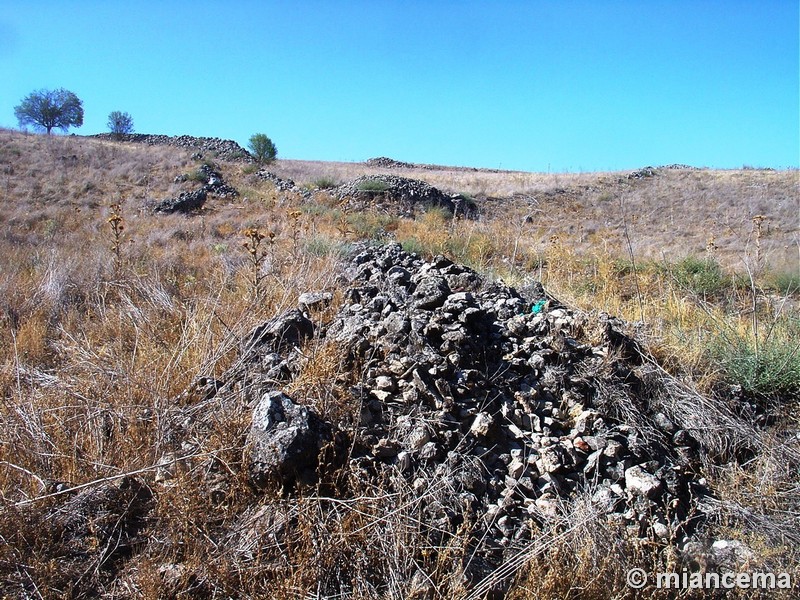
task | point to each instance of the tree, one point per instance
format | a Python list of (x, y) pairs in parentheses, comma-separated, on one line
[(120, 123), (262, 148), (45, 109)]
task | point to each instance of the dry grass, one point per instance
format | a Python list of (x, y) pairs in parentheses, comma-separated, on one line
[(671, 215), (101, 333)]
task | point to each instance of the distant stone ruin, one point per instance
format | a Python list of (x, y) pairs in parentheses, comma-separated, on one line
[(400, 195), (218, 148)]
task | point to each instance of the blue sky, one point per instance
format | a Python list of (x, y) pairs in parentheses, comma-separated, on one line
[(533, 85)]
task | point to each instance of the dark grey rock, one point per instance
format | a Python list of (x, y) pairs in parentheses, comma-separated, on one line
[(431, 292), (280, 333), (185, 202), (284, 441)]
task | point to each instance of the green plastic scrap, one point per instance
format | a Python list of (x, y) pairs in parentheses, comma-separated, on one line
[(538, 307)]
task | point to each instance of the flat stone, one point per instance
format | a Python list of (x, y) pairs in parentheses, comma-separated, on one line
[(640, 482), (482, 424)]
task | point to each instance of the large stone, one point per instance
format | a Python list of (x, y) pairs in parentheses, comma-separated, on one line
[(284, 441), (280, 333), (431, 292), (640, 482), (314, 300), (185, 202)]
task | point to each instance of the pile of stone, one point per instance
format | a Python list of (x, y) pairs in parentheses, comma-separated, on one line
[(190, 201), (399, 195), (383, 162), (494, 407), (643, 173), (219, 148), (185, 202), (679, 167), (282, 185), (215, 184)]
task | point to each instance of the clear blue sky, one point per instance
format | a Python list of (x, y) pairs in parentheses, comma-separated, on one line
[(532, 85)]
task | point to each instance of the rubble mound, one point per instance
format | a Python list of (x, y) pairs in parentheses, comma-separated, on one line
[(399, 195), (189, 201), (643, 173), (282, 185), (493, 408), (679, 167), (383, 162), (221, 149)]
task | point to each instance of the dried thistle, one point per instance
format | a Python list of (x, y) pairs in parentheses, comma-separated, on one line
[(343, 225), (117, 227), (257, 255), (758, 230), (711, 245), (296, 228)]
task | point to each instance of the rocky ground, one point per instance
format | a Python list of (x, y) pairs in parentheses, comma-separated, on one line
[(495, 408), (329, 415)]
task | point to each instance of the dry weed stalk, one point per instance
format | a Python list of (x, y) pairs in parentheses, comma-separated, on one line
[(257, 255), (343, 223), (295, 228), (117, 227)]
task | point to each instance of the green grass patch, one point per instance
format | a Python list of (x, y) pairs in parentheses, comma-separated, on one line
[(701, 276), (324, 183), (325, 246), (784, 283), (373, 185), (413, 244)]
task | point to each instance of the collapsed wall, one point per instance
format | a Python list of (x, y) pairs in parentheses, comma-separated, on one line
[(496, 408), (219, 148), (400, 195)]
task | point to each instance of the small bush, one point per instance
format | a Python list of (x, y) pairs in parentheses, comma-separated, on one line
[(325, 246), (198, 176), (324, 183), (412, 244), (263, 149), (373, 185), (769, 367), (701, 276), (369, 226), (784, 283), (438, 215)]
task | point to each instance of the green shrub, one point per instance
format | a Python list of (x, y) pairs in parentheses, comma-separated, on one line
[(784, 283), (197, 176), (767, 367), (324, 183), (370, 226), (262, 148), (373, 185), (701, 276)]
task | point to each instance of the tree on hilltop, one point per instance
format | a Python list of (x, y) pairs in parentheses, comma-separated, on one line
[(46, 109), (120, 123), (262, 148)]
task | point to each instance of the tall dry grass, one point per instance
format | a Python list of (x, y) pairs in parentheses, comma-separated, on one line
[(102, 331)]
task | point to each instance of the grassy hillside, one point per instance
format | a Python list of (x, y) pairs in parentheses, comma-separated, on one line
[(109, 313)]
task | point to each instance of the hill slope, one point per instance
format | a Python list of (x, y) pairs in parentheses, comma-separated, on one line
[(259, 393)]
